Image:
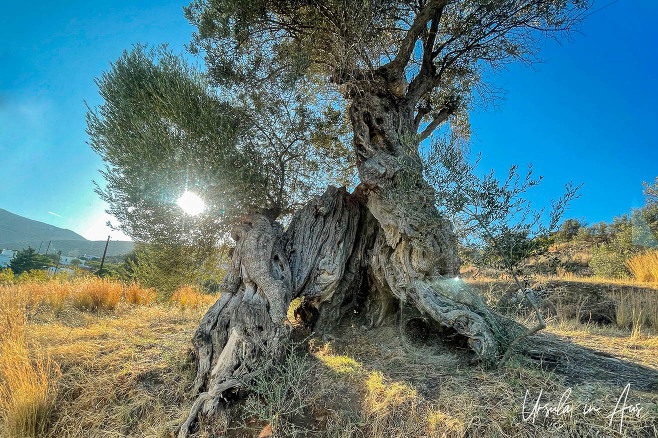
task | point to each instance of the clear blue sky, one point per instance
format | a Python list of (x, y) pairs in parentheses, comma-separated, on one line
[(587, 113)]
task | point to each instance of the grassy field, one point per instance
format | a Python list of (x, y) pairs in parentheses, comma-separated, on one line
[(94, 358)]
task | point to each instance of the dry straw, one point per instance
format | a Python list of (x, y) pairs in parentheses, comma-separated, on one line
[(644, 267)]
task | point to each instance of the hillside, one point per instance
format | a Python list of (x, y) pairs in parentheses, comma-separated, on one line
[(18, 232), (15, 228)]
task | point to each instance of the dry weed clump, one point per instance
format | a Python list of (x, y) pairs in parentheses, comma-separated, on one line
[(138, 296), (637, 308), (187, 297), (96, 294), (644, 267), (27, 388)]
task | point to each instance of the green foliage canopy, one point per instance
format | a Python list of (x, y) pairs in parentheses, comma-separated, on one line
[(160, 132), (435, 50), (164, 128)]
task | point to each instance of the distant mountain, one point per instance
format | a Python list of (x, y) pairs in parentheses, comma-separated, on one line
[(15, 228), (18, 232)]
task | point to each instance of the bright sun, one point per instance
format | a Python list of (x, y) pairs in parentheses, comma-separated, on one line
[(190, 203)]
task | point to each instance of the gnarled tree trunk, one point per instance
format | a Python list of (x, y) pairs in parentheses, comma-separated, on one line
[(384, 251)]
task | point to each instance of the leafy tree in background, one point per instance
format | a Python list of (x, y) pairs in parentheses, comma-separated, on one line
[(651, 192), (167, 268), (27, 260), (569, 230), (627, 236)]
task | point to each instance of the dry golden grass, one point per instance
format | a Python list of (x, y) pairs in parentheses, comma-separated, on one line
[(621, 343), (188, 297), (387, 391), (96, 294), (139, 296), (26, 391), (637, 309), (644, 267), (26, 387), (126, 373), (121, 376), (44, 324)]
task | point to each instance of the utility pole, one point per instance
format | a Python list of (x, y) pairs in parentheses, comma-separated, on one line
[(58, 260), (48, 247), (100, 271), (39, 252)]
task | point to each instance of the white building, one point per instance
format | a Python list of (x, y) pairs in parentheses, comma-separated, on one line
[(5, 257), (53, 271)]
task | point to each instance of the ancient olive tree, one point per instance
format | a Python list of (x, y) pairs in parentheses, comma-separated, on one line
[(398, 70)]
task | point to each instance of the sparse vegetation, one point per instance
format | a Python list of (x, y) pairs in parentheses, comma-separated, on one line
[(125, 372)]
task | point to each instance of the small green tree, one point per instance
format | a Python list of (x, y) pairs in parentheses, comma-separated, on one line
[(168, 267), (492, 216), (627, 235), (27, 260)]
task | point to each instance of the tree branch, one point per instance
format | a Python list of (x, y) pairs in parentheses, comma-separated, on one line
[(438, 119), (396, 67)]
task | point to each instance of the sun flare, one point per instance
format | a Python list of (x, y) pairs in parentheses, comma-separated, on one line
[(191, 203)]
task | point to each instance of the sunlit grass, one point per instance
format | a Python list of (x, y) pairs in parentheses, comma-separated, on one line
[(340, 364), (139, 296), (188, 297), (96, 294), (644, 267), (27, 389)]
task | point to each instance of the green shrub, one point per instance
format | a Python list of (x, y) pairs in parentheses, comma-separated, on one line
[(609, 261)]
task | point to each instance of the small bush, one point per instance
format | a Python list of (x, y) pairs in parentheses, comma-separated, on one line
[(608, 262), (139, 296), (6, 276), (96, 294), (644, 267), (35, 275), (279, 392)]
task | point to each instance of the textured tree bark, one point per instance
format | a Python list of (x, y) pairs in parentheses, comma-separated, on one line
[(384, 252)]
